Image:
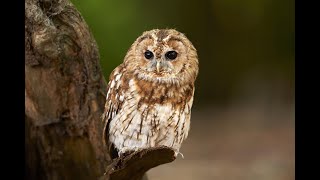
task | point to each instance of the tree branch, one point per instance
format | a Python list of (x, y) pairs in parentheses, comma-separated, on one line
[(135, 165)]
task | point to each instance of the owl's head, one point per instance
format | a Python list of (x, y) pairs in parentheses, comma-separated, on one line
[(163, 56)]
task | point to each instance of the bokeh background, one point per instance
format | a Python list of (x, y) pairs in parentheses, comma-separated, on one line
[(242, 124)]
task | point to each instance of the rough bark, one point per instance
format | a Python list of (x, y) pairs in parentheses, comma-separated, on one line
[(63, 94), (64, 101)]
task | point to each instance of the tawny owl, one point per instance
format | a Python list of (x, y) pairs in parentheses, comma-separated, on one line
[(150, 94)]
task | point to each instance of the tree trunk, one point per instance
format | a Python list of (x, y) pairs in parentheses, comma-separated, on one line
[(63, 94), (64, 101)]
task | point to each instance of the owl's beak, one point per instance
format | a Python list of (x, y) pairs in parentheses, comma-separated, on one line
[(158, 66)]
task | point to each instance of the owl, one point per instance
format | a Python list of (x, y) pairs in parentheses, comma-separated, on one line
[(150, 95)]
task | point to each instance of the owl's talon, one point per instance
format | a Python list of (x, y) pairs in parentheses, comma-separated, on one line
[(177, 153)]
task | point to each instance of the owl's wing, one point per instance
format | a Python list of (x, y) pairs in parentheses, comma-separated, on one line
[(112, 106)]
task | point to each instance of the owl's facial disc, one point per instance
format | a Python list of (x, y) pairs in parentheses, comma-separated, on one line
[(164, 56)]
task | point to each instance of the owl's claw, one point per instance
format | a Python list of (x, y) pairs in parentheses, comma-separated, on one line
[(177, 153), (181, 155)]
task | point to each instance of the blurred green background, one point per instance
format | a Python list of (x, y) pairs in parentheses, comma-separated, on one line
[(237, 41), (245, 84)]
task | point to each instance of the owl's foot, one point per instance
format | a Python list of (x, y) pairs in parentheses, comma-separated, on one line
[(123, 154), (126, 151), (177, 153), (117, 162)]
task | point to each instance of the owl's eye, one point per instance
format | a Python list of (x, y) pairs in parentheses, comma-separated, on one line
[(171, 55), (148, 54)]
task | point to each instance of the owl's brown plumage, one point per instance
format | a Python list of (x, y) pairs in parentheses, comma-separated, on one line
[(150, 94)]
